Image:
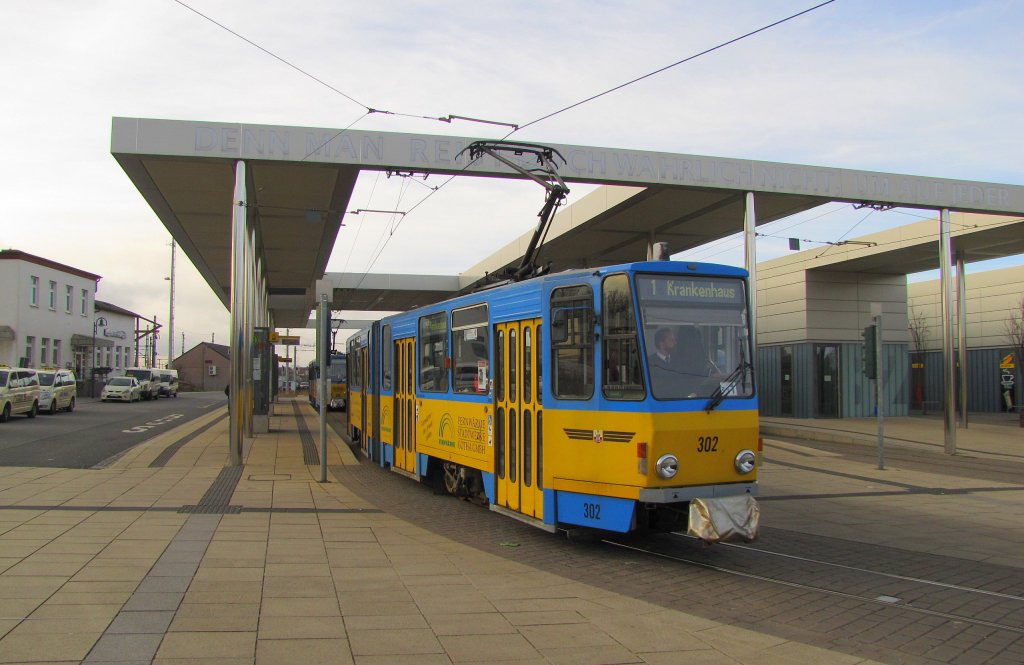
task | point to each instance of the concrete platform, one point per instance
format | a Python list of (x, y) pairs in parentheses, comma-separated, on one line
[(173, 558)]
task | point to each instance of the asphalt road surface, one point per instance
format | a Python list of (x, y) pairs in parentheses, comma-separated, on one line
[(95, 430)]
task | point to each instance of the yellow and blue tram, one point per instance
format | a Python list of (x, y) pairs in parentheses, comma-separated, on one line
[(605, 398), (337, 382)]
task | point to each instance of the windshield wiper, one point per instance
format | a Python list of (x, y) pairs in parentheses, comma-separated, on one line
[(727, 385)]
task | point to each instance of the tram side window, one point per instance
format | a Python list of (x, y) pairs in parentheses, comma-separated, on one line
[(621, 372), (572, 342), (471, 350), (434, 353), (385, 357), (356, 370)]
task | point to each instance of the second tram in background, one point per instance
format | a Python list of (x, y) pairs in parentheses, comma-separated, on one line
[(337, 382), (610, 398)]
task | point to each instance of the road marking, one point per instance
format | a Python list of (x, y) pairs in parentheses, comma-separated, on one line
[(153, 423)]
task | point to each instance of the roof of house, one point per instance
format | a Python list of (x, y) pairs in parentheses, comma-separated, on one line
[(18, 255)]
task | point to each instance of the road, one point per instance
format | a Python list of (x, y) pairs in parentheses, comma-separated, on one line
[(95, 430)]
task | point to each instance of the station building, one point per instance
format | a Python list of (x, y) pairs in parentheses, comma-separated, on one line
[(46, 312), (49, 317), (813, 306)]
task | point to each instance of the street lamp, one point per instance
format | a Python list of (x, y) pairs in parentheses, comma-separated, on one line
[(99, 322)]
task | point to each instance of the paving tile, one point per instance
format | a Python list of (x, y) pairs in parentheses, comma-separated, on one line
[(303, 607), (30, 648), (385, 621), (102, 598), (612, 654), (291, 587), (142, 602), (222, 623), (394, 641), (291, 651), (486, 648), (301, 627), (200, 646), (81, 624), (112, 648), (414, 659), (141, 622), (480, 624)]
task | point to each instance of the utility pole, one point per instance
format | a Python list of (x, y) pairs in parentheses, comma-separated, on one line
[(170, 321)]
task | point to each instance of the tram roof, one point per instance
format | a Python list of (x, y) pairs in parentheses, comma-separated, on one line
[(300, 179)]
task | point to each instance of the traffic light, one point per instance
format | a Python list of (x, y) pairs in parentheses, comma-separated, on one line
[(870, 356)]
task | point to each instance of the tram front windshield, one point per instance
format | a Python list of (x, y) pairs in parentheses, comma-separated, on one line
[(696, 336), (336, 372)]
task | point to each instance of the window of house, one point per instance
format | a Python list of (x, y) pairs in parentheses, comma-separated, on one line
[(56, 353), (30, 351), (33, 291), (433, 352), (44, 351), (68, 294), (52, 300), (85, 300)]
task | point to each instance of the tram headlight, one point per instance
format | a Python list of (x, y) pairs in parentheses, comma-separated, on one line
[(667, 466), (746, 460)]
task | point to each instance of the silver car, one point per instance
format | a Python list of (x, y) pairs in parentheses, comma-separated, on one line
[(122, 389)]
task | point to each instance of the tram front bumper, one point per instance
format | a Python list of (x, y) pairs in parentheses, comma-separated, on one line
[(680, 494)]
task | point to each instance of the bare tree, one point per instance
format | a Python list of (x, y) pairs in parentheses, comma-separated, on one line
[(919, 333)]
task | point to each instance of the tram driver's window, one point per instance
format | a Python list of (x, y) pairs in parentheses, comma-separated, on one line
[(433, 353), (572, 342), (471, 350)]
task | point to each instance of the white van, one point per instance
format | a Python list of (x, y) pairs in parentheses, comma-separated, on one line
[(149, 380), (169, 382), (57, 390), (19, 392)]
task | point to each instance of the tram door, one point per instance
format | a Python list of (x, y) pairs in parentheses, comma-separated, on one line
[(518, 417), (365, 399), (404, 426)]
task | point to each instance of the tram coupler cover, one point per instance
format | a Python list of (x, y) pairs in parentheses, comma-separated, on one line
[(725, 519)]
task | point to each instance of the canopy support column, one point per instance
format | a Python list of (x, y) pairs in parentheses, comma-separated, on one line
[(949, 375), (961, 319), (750, 245), (239, 241)]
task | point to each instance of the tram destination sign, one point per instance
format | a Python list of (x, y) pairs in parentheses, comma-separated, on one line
[(718, 291)]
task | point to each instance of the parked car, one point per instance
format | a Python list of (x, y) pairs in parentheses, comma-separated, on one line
[(57, 390), (149, 381), (169, 382), (19, 393), (122, 389)]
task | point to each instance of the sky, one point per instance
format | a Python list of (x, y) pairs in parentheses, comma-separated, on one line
[(917, 87)]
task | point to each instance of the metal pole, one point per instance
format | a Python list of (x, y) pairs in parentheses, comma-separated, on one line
[(946, 281), (961, 321), (170, 320), (880, 390), (321, 343), (750, 244), (237, 319)]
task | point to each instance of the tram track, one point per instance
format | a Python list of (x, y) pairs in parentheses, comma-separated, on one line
[(939, 595)]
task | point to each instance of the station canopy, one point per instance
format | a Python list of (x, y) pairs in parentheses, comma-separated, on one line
[(300, 179)]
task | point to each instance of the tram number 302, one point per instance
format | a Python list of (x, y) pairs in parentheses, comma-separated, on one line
[(707, 444), (592, 511)]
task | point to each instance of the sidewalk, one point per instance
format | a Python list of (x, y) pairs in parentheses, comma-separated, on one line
[(174, 558), (997, 435)]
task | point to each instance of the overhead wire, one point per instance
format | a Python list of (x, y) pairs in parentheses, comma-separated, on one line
[(517, 128), (450, 118), (667, 67)]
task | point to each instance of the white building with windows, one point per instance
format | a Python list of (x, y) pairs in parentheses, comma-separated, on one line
[(120, 327), (46, 312)]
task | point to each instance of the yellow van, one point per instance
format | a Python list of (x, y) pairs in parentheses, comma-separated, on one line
[(57, 390), (19, 392)]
